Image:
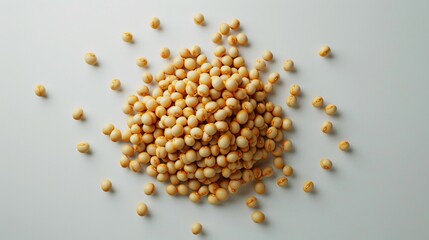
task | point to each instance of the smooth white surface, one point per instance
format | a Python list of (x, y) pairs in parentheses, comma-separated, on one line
[(377, 78)]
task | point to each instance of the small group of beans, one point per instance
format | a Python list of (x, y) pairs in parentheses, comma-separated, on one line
[(292, 100), (330, 110), (225, 30), (252, 202)]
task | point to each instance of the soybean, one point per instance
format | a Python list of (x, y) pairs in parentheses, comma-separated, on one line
[(40, 90), (78, 114), (308, 186), (326, 164), (197, 228), (344, 145), (199, 19), (324, 51), (141, 209), (106, 185), (258, 217), (83, 147)]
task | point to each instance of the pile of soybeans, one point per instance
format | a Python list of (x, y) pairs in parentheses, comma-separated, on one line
[(207, 126)]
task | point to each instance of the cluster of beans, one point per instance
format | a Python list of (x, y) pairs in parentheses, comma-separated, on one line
[(206, 125)]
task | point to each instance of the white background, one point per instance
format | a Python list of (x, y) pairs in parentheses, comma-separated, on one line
[(377, 78)]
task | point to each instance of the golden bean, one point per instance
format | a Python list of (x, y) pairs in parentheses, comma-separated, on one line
[(149, 188), (267, 55), (83, 147), (40, 90), (199, 19), (295, 90), (324, 51), (291, 101), (326, 164), (252, 202), (331, 109), (282, 182), (127, 37), (141, 209), (78, 114), (260, 188), (258, 217), (344, 145), (317, 102), (288, 65), (326, 127), (106, 185), (115, 84), (197, 228), (155, 23), (90, 58), (234, 24), (308, 186), (287, 171)]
